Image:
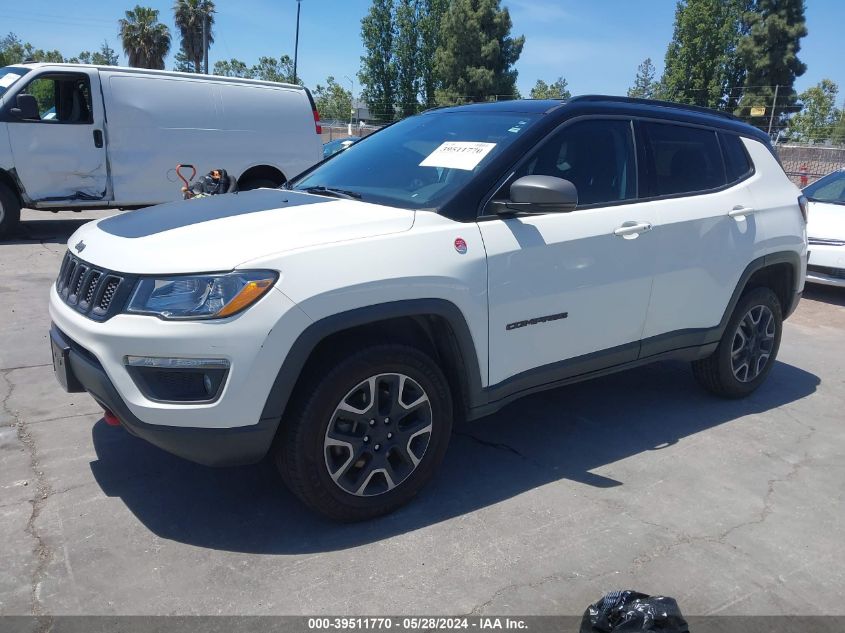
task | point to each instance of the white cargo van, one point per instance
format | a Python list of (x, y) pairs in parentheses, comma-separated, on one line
[(78, 136)]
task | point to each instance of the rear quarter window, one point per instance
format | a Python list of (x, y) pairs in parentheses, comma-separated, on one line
[(738, 165), (682, 159)]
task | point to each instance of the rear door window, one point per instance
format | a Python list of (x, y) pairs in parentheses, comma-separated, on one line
[(737, 164), (682, 159)]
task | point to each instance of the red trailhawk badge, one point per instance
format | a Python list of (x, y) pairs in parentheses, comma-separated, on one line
[(460, 245)]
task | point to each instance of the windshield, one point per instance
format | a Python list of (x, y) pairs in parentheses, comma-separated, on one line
[(421, 161), (831, 188), (10, 75)]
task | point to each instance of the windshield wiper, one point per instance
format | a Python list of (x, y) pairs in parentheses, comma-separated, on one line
[(337, 193)]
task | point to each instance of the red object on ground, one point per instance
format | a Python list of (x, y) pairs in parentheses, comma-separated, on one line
[(110, 418), (804, 179)]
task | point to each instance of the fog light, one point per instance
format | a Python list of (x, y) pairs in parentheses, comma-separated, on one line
[(178, 380)]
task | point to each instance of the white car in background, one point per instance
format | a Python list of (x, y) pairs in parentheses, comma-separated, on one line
[(826, 230)]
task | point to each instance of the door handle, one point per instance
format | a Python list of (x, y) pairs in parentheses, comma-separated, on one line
[(98, 138), (740, 212), (630, 230)]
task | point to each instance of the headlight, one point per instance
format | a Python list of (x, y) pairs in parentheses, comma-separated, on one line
[(200, 296)]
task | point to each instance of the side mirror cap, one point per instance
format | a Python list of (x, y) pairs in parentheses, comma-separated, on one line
[(538, 195), (27, 108)]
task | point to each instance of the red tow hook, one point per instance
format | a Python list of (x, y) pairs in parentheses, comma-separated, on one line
[(110, 418)]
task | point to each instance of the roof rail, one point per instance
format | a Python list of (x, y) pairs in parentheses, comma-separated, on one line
[(655, 102)]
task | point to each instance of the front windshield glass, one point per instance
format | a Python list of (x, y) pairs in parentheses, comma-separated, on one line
[(421, 161), (10, 75), (831, 189)]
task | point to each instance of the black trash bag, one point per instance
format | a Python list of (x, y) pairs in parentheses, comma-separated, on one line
[(633, 611)]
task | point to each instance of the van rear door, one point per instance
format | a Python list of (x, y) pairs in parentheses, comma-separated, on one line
[(60, 156)]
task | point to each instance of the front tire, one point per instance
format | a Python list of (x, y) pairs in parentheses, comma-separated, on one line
[(366, 432), (748, 348), (10, 211)]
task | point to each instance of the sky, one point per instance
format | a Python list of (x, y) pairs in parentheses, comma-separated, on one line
[(596, 45)]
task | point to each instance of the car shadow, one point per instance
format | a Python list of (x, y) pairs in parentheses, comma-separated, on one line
[(827, 294), (50, 230), (555, 435)]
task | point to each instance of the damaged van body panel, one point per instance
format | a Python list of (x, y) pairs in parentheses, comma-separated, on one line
[(61, 156)]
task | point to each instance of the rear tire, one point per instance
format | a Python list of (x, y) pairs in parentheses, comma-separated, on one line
[(748, 348), (10, 211), (365, 432)]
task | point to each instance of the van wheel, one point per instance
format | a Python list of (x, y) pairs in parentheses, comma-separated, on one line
[(258, 183), (748, 348), (366, 432), (10, 211)]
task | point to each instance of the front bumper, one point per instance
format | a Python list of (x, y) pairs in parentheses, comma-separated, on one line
[(233, 429), (208, 446)]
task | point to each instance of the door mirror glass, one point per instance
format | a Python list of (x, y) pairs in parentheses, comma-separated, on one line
[(538, 194), (27, 108)]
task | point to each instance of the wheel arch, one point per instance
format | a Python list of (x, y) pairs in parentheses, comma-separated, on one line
[(262, 171), (779, 271), (10, 180), (436, 325)]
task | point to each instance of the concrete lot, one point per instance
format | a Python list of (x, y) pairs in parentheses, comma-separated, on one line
[(638, 480)]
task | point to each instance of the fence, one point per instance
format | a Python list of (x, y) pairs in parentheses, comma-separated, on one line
[(334, 129), (811, 162)]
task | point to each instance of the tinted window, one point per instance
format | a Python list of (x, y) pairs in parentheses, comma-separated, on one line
[(421, 161), (737, 163), (596, 156), (683, 159), (831, 188)]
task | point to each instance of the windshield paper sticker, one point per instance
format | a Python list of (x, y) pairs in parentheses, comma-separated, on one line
[(8, 79), (458, 155)]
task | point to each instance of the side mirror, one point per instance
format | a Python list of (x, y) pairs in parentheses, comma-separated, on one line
[(27, 108), (537, 195)]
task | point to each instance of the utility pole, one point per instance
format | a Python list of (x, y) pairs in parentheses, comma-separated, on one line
[(351, 102), (204, 9), (772, 116), (296, 45)]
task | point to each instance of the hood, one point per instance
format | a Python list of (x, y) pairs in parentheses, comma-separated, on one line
[(826, 220), (219, 232)]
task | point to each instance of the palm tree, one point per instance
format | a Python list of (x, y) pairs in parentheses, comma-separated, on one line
[(189, 15), (146, 41)]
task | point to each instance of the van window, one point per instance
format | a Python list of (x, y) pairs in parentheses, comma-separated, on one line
[(597, 156), (737, 163), (62, 98), (682, 159)]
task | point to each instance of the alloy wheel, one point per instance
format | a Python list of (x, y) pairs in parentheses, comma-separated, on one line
[(378, 434), (753, 343)]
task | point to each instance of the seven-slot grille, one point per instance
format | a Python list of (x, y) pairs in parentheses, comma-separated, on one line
[(91, 290)]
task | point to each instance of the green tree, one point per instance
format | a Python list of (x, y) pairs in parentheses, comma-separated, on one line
[(555, 90), (700, 60), (475, 58), (14, 51), (378, 69), (430, 16), (232, 68), (407, 56), (106, 56), (818, 116), (182, 63), (146, 41), (769, 52), (272, 69), (645, 84), (334, 102), (838, 135), (189, 16)]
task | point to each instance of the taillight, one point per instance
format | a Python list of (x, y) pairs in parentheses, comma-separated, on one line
[(317, 125), (805, 207)]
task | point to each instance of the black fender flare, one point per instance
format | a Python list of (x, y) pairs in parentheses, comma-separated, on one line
[(318, 331)]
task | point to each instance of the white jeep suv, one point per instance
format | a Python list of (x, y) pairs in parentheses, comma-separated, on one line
[(438, 269)]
